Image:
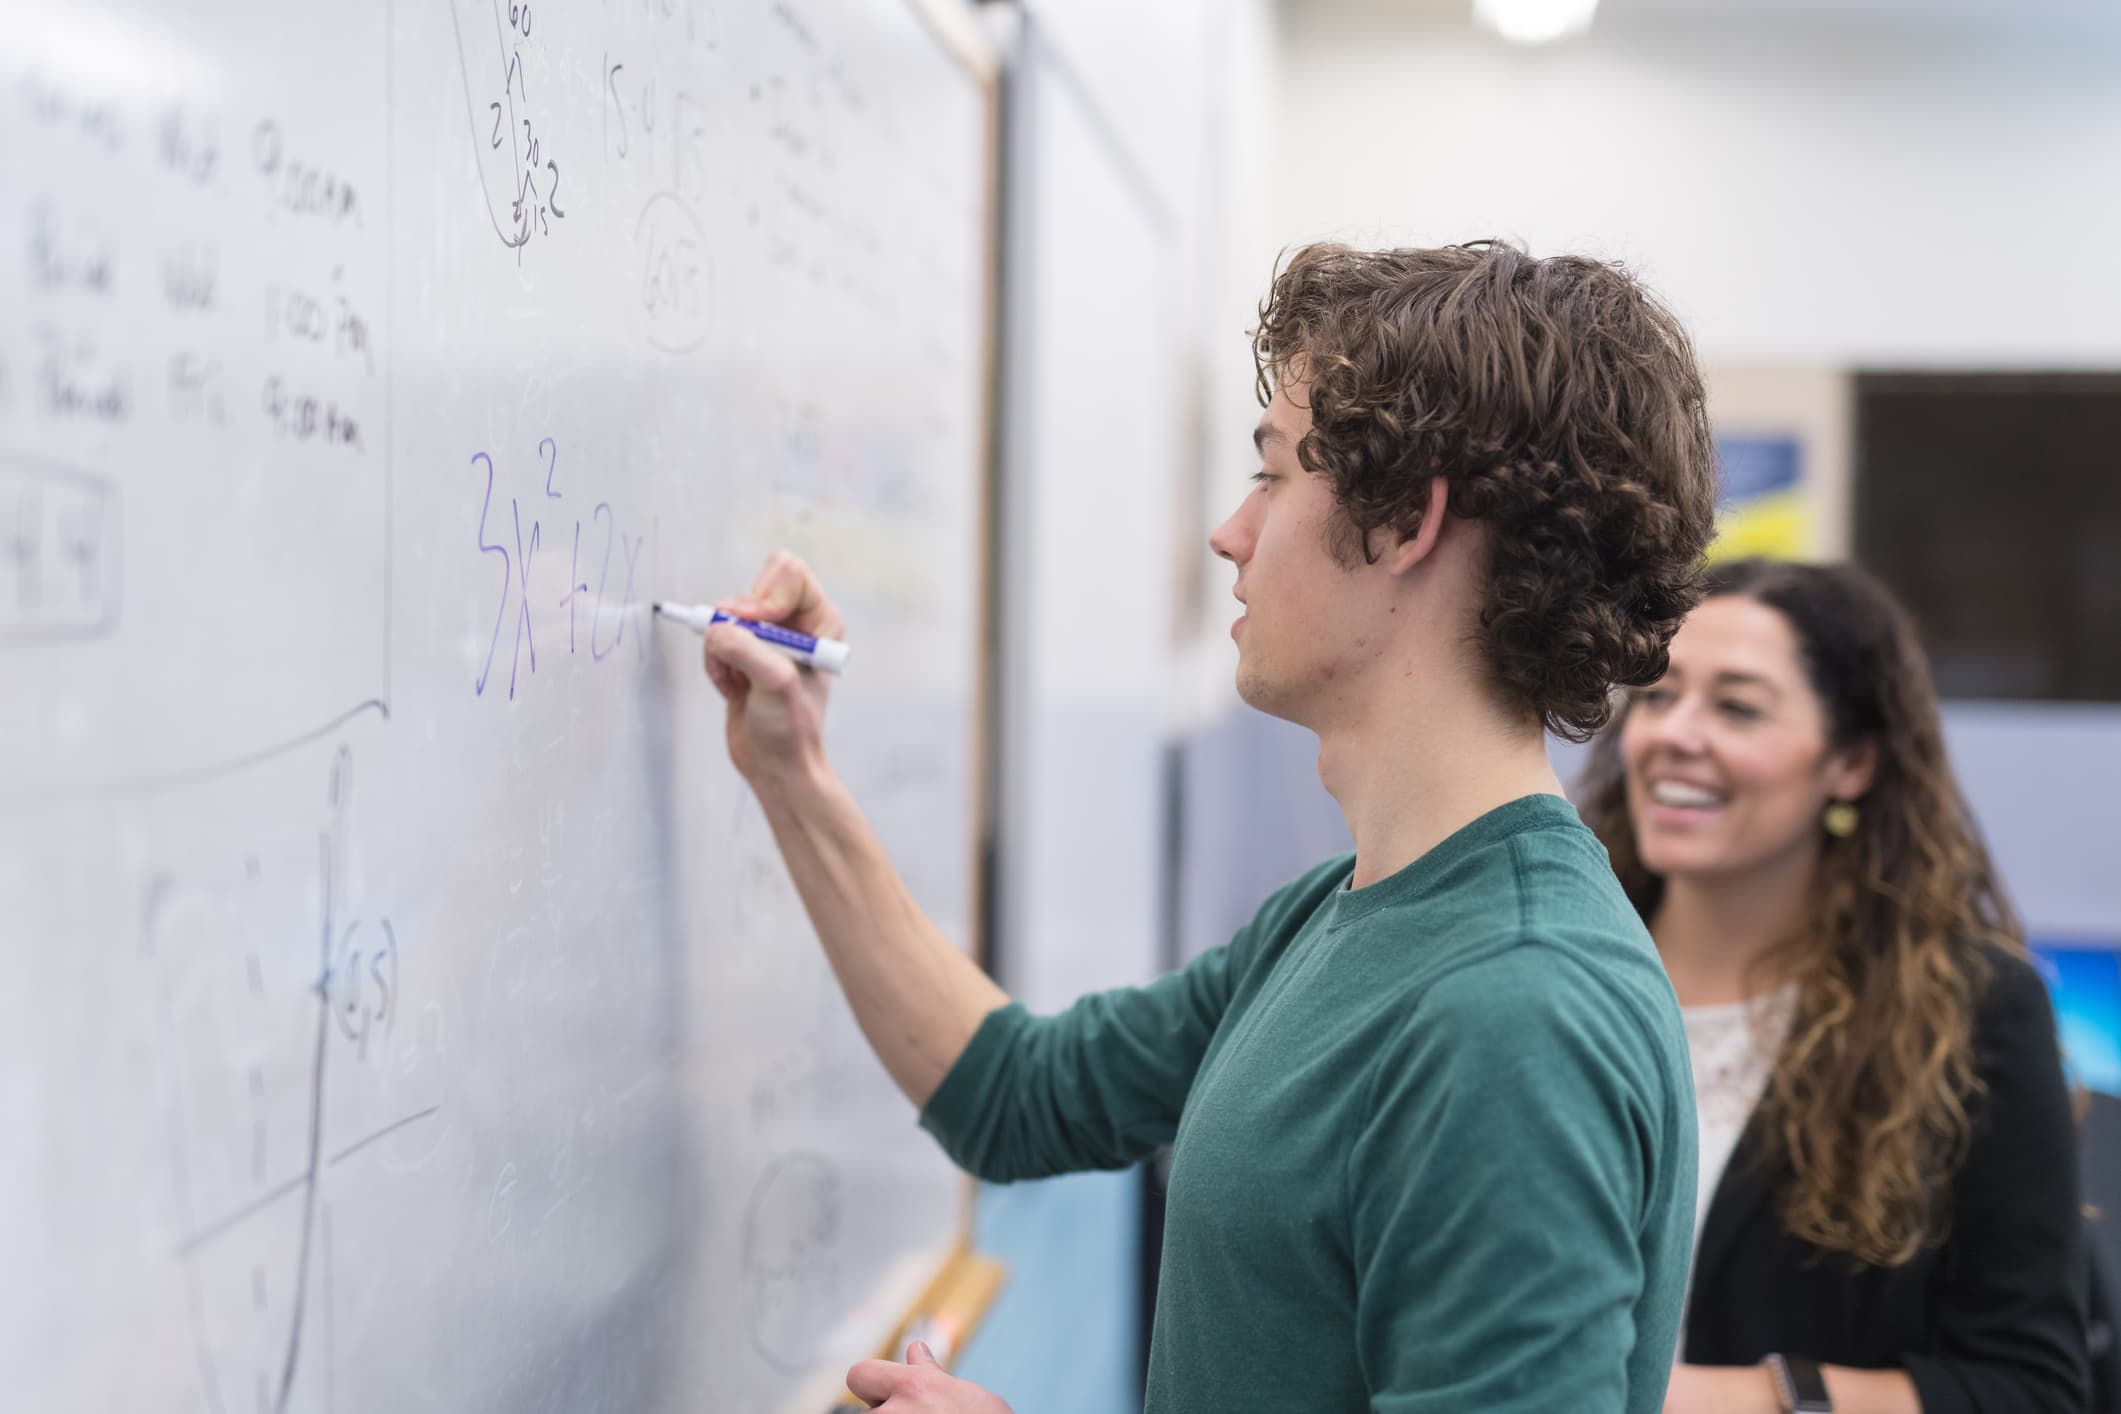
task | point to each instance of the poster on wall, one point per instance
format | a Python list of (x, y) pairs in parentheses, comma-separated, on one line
[(1762, 508)]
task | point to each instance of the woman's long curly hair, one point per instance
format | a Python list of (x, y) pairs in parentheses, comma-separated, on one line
[(1870, 1097), (1561, 402)]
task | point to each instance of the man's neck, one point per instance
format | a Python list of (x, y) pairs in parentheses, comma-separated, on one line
[(1409, 779), (1712, 931)]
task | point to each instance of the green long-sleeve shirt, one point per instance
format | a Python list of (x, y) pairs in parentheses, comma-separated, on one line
[(1433, 1140)]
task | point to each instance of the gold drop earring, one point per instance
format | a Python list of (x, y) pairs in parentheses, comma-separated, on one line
[(1840, 818)]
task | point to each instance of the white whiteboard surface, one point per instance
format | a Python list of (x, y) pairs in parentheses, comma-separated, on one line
[(407, 1009), (1091, 412)]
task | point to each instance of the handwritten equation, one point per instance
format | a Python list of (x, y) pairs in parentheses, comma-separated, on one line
[(197, 327), (77, 266), (514, 157), (597, 613), (665, 131)]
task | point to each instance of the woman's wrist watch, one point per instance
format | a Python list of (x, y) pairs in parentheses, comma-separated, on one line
[(1799, 1385)]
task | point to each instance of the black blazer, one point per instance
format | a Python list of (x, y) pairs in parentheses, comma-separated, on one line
[(1990, 1322)]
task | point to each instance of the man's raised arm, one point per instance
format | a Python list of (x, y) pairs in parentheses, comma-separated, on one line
[(918, 999)]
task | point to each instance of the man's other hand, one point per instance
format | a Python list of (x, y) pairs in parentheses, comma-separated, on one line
[(919, 1386)]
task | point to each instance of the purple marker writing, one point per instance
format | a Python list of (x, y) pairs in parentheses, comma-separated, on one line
[(827, 655)]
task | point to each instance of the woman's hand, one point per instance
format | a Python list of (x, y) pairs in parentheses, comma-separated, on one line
[(1721, 1389)]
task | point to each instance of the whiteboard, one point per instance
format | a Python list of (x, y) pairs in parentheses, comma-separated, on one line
[(407, 1008)]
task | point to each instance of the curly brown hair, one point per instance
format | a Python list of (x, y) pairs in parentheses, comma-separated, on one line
[(1561, 401), (1870, 1096)]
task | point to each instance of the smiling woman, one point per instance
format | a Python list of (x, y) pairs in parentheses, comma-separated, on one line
[(1731, 759), (1887, 1158)]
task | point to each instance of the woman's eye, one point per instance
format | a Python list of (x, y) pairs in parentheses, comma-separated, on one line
[(1741, 711), (1651, 696)]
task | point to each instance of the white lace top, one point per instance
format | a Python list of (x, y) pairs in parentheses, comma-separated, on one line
[(1733, 1048)]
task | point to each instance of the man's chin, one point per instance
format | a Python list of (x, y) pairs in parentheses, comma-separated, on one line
[(1263, 694)]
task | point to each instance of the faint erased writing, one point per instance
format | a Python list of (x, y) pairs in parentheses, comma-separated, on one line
[(58, 553)]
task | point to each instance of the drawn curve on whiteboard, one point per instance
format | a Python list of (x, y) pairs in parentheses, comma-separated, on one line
[(193, 775), (472, 120)]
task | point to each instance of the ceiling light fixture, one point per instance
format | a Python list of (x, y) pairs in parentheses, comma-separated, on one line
[(1535, 21)]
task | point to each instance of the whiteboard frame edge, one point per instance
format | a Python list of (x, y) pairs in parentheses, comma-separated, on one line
[(956, 25), (958, 30)]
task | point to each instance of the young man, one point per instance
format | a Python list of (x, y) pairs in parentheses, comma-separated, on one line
[(1431, 1116)]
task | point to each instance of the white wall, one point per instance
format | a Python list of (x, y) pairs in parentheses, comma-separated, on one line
[(1803, 191), (1190, 88)]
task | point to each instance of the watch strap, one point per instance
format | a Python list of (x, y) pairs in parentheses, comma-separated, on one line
[(1799, 1385)]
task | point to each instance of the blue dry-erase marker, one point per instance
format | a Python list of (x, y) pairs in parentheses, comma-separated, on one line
[(827, 655)]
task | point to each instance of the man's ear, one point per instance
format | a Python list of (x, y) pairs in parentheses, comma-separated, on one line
[(1413, 549)]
